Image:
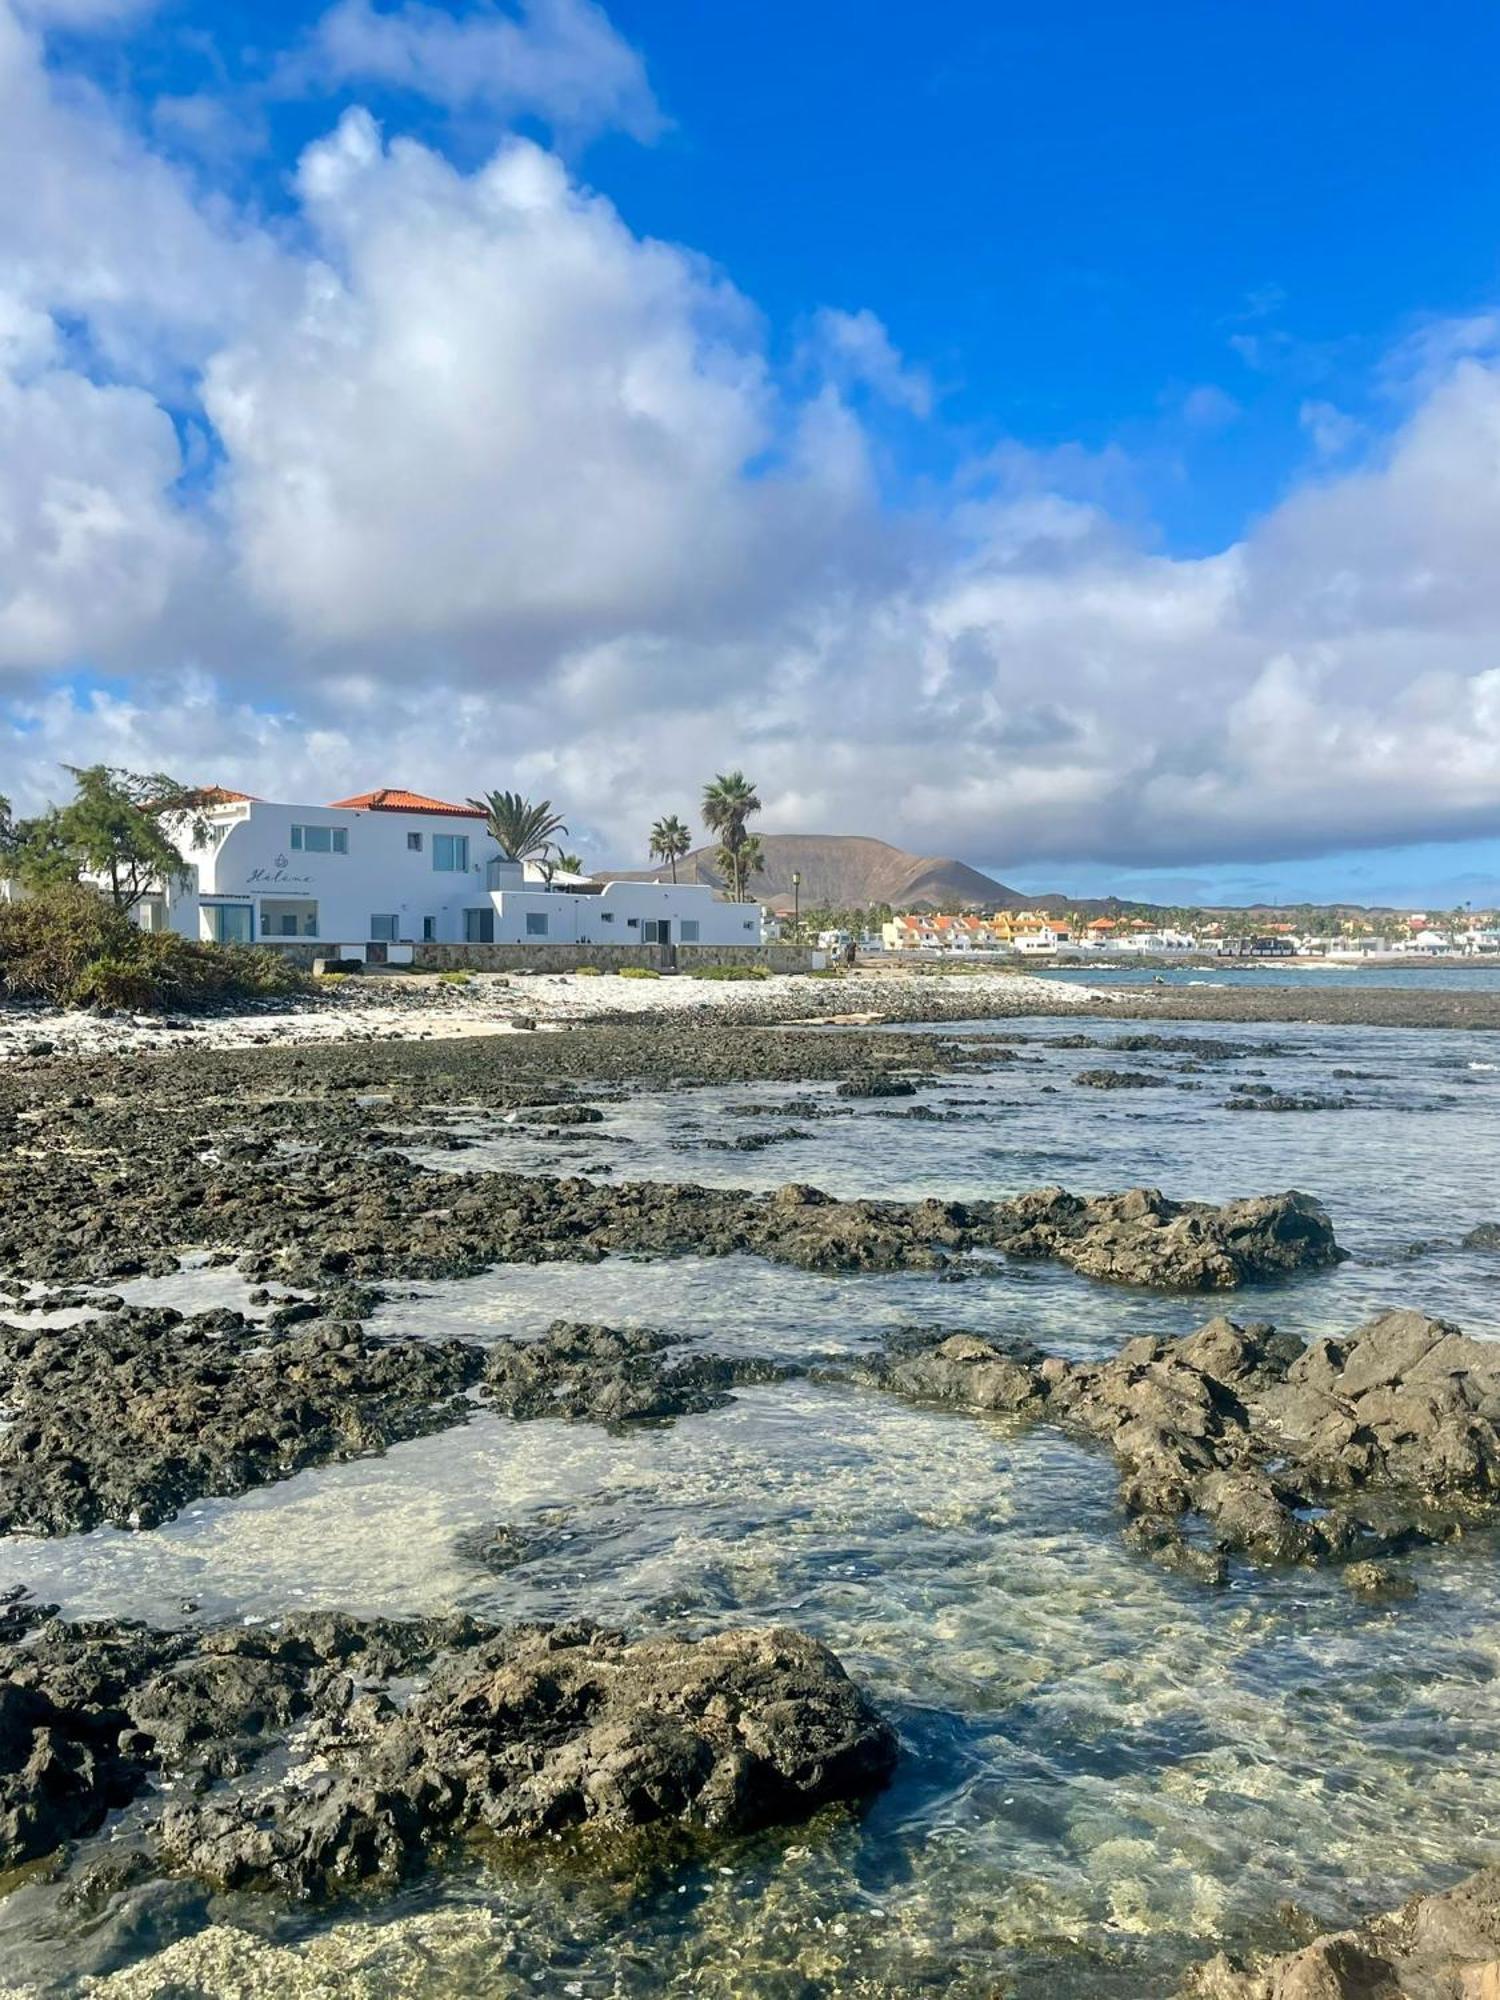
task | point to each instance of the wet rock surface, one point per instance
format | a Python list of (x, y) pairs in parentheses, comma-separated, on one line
[(540, 1729), (612, 1375), (1438, 1947), (91, 1713), (129, 1416), (1240, 1439), (548, 1730)]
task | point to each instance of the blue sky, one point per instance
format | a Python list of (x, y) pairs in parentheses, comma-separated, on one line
[(1060, 327)]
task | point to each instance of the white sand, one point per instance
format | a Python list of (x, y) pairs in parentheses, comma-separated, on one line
[(420, 1007)]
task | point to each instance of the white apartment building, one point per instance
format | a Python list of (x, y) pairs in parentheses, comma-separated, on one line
[(394, 869)]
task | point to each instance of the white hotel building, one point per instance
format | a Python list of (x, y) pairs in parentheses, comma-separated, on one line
[(395, 870)]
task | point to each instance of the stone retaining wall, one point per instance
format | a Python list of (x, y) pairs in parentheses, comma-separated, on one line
[(610, 957)]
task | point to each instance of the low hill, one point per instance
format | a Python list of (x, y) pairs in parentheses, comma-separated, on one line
[(850, 871)]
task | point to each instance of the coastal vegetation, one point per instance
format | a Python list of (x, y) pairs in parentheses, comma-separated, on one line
[(113, 831), (728, 804), (670, 840), (70, 946), (523, 829)]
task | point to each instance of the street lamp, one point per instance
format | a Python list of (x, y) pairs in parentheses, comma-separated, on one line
[(796, 904)]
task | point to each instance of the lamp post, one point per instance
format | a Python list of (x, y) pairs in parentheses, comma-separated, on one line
[(796, 906)]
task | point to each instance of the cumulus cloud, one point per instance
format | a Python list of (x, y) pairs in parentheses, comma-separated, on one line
[(493, 489), (558, 60), (855, 348)]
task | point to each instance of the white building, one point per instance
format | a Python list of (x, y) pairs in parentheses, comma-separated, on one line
[(395, 869)]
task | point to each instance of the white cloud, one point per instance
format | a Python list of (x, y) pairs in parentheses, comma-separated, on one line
[(95, 225), (498, 422), (91, 544), (1209, 408), (855, 349), (501, 492), (560, 60)]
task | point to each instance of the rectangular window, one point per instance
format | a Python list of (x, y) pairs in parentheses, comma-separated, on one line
[(320, 839), (690, 930), (450, 853), (656, 930), (429, 929), (414, 843), (232, 923), (606, 916), (479, 925), (536, 923), (384, 930)]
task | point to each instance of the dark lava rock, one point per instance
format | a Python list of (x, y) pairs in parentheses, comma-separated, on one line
[(611, 1375), (1484, 1236), (547, 1729), (876, 1085), (128, 1418), (562, 1114), (61, 1771), (755, 1142), (1281, 1100), (1119, 1079), (1348, 1449), (1440, 1947), (90, 1712)]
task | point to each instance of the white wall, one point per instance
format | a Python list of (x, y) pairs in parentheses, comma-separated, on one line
[(251, 863), (620, 912)]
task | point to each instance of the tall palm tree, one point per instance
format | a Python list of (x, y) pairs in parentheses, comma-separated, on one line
[(670, 840), (727, 803), (570, 864), (738, 864), (522, 831)]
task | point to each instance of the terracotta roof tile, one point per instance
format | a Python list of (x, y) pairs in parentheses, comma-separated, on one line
[(387, 800)]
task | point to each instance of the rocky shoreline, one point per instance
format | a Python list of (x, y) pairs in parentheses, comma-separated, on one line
[(393, 1007), (314, 1757)]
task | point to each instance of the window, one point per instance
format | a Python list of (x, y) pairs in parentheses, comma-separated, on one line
[(656, 930), (231, 923), (450, 853), (414, 843), (536, 923), (749, 923), (632, 923), (606, 916), (479, 925), (320, 839), (384, 930), (429, 929), (690, 930)]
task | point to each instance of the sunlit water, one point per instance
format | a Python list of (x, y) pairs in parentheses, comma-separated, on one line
[(1108, 1771)]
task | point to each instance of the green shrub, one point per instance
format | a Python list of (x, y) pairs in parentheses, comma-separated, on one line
[(639, 972), (588, 971), (455, 979), (72, 948), (731, 972)]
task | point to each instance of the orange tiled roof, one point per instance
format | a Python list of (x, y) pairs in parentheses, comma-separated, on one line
[(389, 801), (220, 795)]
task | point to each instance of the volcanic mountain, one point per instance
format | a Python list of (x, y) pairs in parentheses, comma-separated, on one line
[(849, 871)]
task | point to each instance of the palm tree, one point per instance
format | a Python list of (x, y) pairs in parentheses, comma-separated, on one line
[(568, 863), (522, 831), (727, 803), (670, 840)]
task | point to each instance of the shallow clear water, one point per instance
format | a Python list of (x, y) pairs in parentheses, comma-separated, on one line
[(1474, 978), (1108, 1771)]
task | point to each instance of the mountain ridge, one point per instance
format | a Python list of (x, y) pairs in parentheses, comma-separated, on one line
[(851, 871)]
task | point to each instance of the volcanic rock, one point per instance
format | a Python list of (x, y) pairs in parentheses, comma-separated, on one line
[(548, 1729), (1438, 1947), (126, 1418)]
